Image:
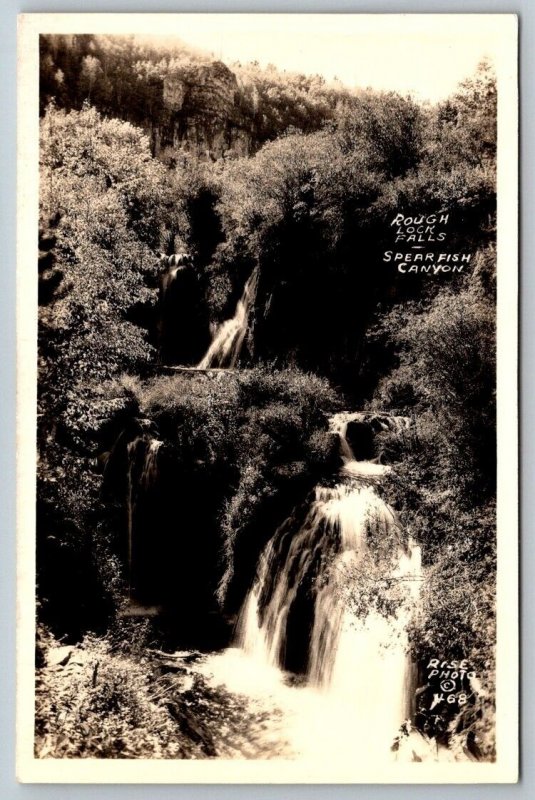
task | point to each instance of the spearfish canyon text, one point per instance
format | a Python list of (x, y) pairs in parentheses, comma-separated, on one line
[(432, 263), (420, 233)]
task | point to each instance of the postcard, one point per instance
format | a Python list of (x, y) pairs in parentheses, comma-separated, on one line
[(267, 398)]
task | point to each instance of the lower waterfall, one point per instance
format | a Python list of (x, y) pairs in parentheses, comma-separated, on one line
[(356, 685)]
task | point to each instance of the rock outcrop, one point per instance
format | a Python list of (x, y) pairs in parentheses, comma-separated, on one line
[(183, 329), (201, 103), (363, 433)]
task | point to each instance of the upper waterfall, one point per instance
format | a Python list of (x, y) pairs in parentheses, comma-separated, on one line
[(227, 343)]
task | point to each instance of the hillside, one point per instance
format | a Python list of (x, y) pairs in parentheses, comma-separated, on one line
[(184, 99)]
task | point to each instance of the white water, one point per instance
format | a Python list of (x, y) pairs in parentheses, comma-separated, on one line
[(227, 343), (363, 469), (147, 478), (358, 686), (149, 472)]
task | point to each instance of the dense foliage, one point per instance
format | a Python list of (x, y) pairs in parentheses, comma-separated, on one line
[(444, 485), (102, 202)]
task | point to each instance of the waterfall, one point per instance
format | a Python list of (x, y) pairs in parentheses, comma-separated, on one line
[(364, 469), (227, 343), (142, 473), (357, 657), (149, 470)]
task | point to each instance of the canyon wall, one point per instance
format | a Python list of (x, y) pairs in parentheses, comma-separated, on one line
[(202, 115)]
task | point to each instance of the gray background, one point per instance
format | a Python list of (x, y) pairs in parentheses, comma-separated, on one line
[(8, 786)]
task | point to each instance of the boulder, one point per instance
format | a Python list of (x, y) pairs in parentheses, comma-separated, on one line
[(59, 656), (360, 436), (174, 92), (212, 90)]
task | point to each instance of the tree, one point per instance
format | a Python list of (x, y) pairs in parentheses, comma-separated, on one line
[(91, 71), (106, 200), (463, 128)]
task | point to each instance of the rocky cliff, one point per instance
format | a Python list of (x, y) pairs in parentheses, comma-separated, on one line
[(202, 114)]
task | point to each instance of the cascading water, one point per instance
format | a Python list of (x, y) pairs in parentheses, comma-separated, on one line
[(322, 574), (150, 465), (142, 473), (227, 343), (364, 469)]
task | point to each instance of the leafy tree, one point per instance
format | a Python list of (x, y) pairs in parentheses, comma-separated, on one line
[(447, 367), (464, 126), (388, 128), (91, 70), (106, 198)]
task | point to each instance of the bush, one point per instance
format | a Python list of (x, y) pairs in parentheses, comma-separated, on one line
[(446, 375), (104, 706)]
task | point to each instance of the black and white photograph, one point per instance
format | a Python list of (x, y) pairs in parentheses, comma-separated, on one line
[(267, 369)]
